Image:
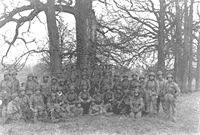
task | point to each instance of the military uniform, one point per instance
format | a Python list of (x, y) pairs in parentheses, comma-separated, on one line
[(106, 81), (117, 82), (137, 105), (84, 82), (15, 83), (85, 98), (30, 84), (134, 83), (56, 114), (125, 84), (54, 85), (77, 110), (45, 87), (95, 79), (152, 90), (118, 97), (108, 101), (171, 92), (42, 115)]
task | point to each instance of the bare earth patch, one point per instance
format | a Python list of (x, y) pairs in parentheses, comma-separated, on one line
[(188, 116)]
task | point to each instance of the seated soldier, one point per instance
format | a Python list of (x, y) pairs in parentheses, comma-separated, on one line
[(108, 101), (60, 96), (71, 100), (51, 101), (95, 109), (42, 115), (118, 98), (126, 110), (24, 102), (56, 114), (137, 105), (63, 107), (85, 98), (13, 109), (77, 110)]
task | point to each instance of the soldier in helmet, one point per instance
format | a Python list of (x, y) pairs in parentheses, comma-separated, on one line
[(134, 83), (45, 87), (56, 114), (71, 99), (137, 105), (36, 101), (30, 84), (172, 90), (118, 98), (84, 82), (161, 98), (74, 72), (95, 78), (24, 101), (152, 90), (96, 106), (13, 109), (54, 85), (5, 89), (73, 82), (125, 84), (106, 80), (116, 82), (108, 98), (35, 79), (84, 98), (62, 86), (42, 115), (15, 83)]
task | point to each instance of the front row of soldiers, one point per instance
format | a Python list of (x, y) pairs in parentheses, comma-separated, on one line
[(57, 99)]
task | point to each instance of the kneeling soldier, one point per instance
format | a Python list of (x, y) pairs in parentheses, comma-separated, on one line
[(137, 105), (56, 114)]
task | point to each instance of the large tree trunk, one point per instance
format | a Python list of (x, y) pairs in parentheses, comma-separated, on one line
[(186, 48), (161, 39), (85, 31), (177, 46), (55, 59), (198, 65)]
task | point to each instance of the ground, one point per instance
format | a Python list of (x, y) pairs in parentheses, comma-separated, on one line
[(188, 116)]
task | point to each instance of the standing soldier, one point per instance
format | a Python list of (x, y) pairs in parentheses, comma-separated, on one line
[(30, 84), (142, 92), (15, 83), (5, 89), (125, 84), (73, 82), (152, 90), (25, 106), (137, 105), (117, 82), (171, 92), (84, 82), (62, 86), (161, 98), (45, 87), (74, 72), (36, 101), (35, 79), (54, 85), (134, 83), (106, 81), (95, 79)]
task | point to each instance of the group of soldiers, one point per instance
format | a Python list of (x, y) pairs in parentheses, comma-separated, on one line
[(74, 93)]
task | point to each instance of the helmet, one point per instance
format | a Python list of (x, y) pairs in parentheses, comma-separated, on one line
[(142, 77), (14, 73), (152, 74), (54, 78), (170, 76), (160, 73), (6, 73), (134, 74), (30, 75)]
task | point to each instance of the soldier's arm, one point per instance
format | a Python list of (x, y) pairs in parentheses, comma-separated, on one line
[(177, 89), (141, 105)]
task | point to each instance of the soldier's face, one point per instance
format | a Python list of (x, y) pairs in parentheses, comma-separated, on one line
[(170, 79), (58, 109), (136, 94), (45, 78), (151, 77), (37, 92), (160, 76), (22, 93), (142, 80), (54, 80), (6, 76), (134, 76), (30, 78)]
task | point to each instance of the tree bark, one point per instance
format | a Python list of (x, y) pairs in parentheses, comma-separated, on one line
[(55, 59), (161, 37), (190, 53), (198, 65), (85, 32)]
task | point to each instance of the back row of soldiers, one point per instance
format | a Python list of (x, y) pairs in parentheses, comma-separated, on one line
[(76, 93)]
